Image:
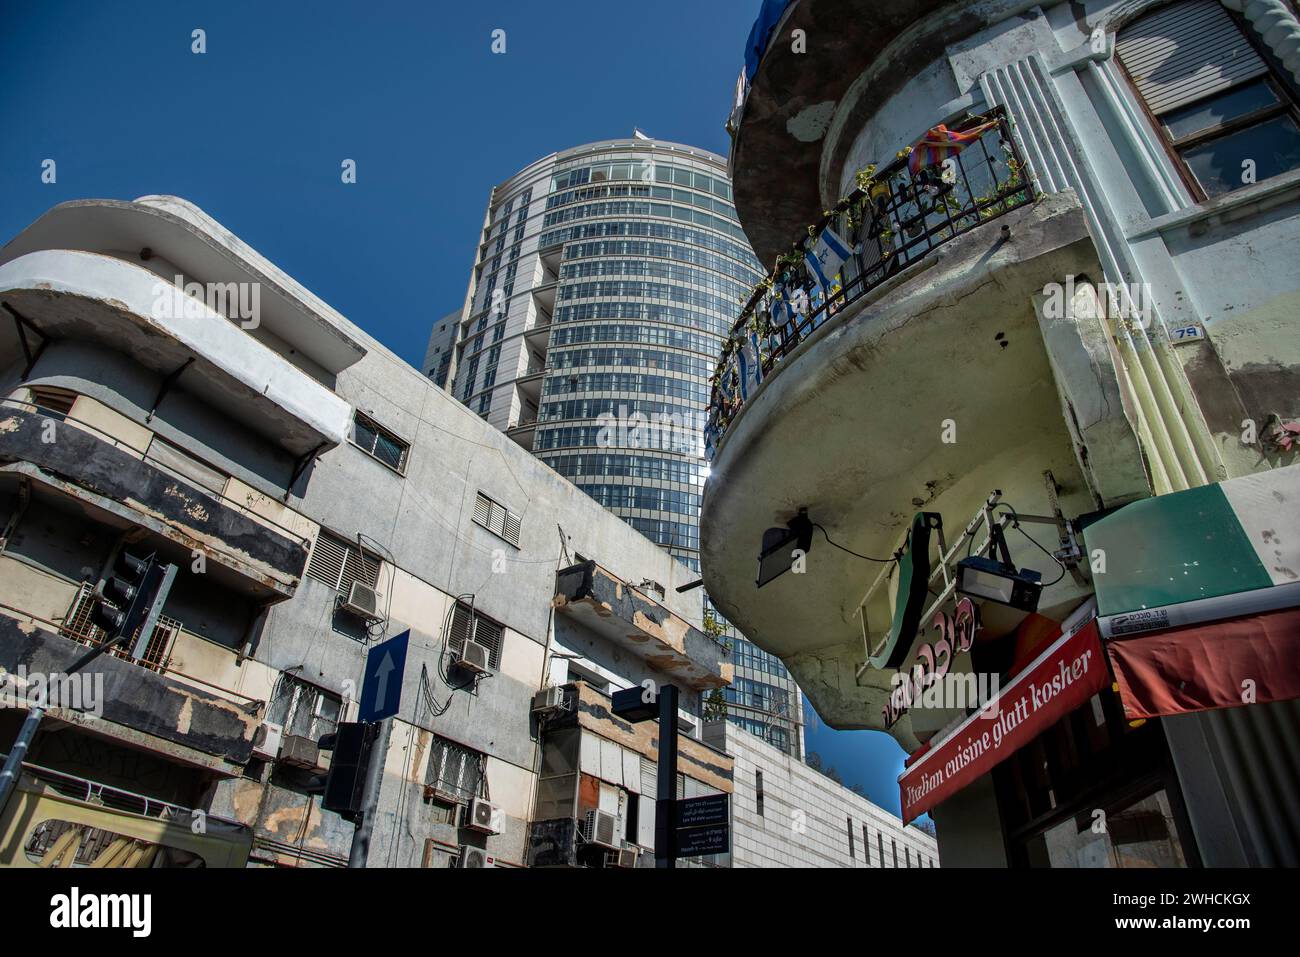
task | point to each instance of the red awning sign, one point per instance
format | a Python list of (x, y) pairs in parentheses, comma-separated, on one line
[(1062, 678)]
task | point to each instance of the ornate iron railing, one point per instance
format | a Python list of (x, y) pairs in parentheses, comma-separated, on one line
[(892, 220)]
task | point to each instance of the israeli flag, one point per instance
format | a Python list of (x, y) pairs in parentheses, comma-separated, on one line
[(798, 302), (753, 363), (747, 358), (827, 257), (781, 312)]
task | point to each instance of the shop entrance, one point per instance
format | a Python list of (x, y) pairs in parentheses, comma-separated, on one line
[(1094, 790)]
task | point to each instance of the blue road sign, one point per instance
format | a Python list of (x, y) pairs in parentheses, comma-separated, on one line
[(381, 686)]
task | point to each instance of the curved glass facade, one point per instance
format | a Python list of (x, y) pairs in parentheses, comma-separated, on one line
[(606, 280)]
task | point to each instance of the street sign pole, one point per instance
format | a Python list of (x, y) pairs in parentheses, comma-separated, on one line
[(666, 802), (381, 698), (370, 797)]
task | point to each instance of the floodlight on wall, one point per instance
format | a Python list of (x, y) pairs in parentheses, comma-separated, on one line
[(1001, 582), (779, 546)]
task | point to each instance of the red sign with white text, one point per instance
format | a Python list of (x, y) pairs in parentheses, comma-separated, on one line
[(1062, 678)]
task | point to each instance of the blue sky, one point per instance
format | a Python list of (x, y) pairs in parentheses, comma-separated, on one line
[(255, 129)]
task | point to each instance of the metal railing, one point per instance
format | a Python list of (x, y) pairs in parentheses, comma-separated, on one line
[(893, 220)]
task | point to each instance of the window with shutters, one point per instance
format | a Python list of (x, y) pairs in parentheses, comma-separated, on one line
[(377, 442), (466, 623), (338, 563), (497, 519), (455, 771), (1227, 115)]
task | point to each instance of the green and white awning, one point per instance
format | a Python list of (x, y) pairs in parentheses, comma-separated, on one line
[(1204, 554)]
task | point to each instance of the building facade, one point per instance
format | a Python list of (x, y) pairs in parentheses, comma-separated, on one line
[(786, 814), (606, 278), (170, 394), (1022, 397)]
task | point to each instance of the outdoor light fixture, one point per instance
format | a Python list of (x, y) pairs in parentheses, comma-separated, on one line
[(992, 580), (780, 544)]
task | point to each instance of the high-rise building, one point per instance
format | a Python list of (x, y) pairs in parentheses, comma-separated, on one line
[(442, 344), (605, 280)]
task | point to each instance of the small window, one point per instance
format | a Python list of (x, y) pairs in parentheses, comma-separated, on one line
[(466, 623), (338, 563), (497, 519), (866, 846), (758, 784), (852, 855), (378, 442)]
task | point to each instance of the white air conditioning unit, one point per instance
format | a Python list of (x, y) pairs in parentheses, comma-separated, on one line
[(601, 828), (474, 657), (474, 857), (362, 601), (299, 752), (266, 740), (626, 857), (483, 816), (549, 700)]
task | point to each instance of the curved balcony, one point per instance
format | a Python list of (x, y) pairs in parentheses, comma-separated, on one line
[(63, 293), (793, 132), (938, 384)]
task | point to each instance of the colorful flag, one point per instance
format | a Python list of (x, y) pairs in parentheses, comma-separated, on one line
[(941, 142)]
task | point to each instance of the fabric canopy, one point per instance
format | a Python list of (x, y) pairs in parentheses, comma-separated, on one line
[(1224, 664)]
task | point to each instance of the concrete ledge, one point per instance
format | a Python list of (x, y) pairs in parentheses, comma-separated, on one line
[(139, 706)]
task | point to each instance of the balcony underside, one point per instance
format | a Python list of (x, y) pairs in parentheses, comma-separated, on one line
[(664, 641), (65, 294), (852, 426)]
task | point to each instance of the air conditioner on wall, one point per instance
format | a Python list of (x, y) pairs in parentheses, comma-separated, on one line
[(299, 752), (549, 700), (474, 657), (362, 601), (267, 739), (472, 857), (601, 828), (624, 857), (483, 816)]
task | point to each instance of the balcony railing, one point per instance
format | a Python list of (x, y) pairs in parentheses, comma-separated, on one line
[(892, 220)]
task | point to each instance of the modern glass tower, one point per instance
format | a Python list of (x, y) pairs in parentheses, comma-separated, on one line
[(605, 281)]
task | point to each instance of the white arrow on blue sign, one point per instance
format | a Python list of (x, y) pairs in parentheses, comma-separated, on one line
[(381, 686)]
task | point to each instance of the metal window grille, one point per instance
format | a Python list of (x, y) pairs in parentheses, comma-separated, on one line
[(304, 709), (78, 626), (455, 771)]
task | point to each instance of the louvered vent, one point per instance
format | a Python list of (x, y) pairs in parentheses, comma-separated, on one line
[(1186, 52)]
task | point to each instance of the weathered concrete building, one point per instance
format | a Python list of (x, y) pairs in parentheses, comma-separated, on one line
[(169, 391), (1064, 319)]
